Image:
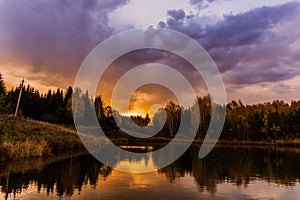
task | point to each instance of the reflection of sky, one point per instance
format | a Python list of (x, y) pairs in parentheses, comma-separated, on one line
[(120, 185), (154, 185), (260, 190), (137, 166)]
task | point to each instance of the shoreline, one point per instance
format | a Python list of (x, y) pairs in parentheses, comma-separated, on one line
[(279, 143), (22, 138)]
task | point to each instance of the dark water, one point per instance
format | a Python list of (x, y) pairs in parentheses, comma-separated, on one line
[(227, 173)]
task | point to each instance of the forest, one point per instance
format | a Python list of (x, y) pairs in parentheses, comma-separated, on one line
[(269, 122)]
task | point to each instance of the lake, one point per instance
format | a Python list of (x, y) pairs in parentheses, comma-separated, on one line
[(226, 173)]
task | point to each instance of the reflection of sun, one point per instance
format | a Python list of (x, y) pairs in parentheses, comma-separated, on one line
[(145, 164)]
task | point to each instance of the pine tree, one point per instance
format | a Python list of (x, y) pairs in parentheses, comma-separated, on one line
[(2, 86), (4, 107)]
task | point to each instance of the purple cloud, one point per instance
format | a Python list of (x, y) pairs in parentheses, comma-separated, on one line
[(201, 4), (52, 36), (247, 28), (248, 47), (177, 14), (50, 39)]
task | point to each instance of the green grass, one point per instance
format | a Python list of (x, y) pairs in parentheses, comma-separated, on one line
[(20, 137)]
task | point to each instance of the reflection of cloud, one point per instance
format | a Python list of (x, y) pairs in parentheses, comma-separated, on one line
[(258, 190)]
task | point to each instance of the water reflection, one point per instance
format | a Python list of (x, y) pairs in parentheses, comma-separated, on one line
[(71, 176), (237, 165), (59, 176)]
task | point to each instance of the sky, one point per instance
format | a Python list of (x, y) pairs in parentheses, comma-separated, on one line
[(255, 44)]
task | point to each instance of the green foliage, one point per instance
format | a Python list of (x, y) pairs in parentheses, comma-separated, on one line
[(54, 107), (4, 107), (261, 122)]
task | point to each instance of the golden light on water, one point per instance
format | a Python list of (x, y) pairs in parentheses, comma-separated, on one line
[(138, 166)]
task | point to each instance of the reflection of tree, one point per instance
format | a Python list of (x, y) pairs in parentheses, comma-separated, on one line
[(63, 177), (238, 165)]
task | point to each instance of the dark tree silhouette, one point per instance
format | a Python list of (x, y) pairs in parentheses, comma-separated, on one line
[(4, 107), (268, 122), (2, 85)]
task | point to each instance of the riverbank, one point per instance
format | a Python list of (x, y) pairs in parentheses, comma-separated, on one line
[(160, 142), (20, 138), (274, 143)]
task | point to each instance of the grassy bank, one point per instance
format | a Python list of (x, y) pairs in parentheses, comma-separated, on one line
[(21, 138)]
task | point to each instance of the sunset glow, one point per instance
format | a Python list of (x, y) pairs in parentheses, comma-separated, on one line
[(150, 99), (258, 58)]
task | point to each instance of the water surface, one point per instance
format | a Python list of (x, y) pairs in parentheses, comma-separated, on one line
[(226, 173)]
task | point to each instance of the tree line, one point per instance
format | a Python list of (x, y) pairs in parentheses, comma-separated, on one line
[(54, 106), (270, 121), (262, 122)]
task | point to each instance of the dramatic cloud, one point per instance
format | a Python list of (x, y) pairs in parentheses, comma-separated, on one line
[(252, 45), (140, 57), (177, 14), (249, 47), (51, 38), (248, 28), (201, 3)]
